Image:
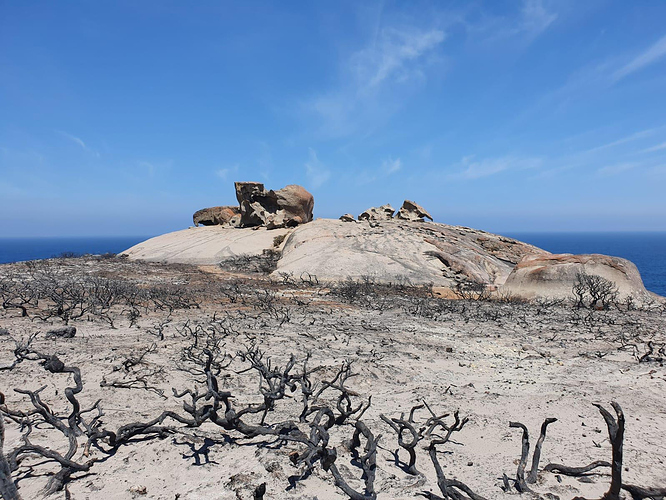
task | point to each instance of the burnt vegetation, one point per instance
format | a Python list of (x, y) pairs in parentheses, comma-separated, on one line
[(205, 353)]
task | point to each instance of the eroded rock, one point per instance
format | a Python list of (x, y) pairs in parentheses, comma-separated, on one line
[(214, 216), (413, 212), (385, 212), (347, 218), (287, 207)]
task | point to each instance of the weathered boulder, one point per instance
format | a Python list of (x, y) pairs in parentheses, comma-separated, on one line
[(347, 218), (385, 212), (553, 276), (297, 204), (214, 216), (413, 212), (287, 207)]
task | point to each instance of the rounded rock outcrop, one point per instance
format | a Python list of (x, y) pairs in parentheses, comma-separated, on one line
[(553, 276)]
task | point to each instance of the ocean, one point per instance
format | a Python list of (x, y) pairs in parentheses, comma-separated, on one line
[(646, 250), (19, 249)]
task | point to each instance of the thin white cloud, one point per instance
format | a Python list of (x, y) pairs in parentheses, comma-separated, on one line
[(224, 173), (395, 61), (610, 170), (535, 17), (74, 139), (486, 167), (649, 56), (148, 166), (630, 138), (526, 25), (391, 166), (153, 167), (393, 55), (78, 141), (316, 171), (658, 147), (388, 167)]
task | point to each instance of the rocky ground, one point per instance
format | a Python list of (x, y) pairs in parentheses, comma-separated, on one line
[(147, 332)]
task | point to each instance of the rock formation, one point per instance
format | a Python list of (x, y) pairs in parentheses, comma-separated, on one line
[(427, 252), (335, 250), (554, 275), (214, 215), (410, 211), (413, 212), (385, 212), (287, 207)]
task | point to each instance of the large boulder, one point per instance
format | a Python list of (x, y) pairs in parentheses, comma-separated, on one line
[(287, 207), (413, 212), (553, 276), (214, 216)]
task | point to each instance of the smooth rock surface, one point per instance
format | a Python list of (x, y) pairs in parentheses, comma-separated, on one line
[(335, 250), (206, 245), (396, 250)]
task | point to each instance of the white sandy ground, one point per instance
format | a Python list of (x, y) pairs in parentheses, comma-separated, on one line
[(534, 364)]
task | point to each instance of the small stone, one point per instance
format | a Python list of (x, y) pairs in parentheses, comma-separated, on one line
[(65, 332)]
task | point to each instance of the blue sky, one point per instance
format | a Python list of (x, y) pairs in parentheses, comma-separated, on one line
[(123, 118)]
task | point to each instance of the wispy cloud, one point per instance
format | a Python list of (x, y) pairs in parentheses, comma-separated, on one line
[(394, 55), (152, 167), (528, 23), (477, 169), (394, 61), (610, 170), (535, 17), (315, 170), (658, 147), (391, 166), (148, 166), (647, 57), (388, 167), (624, 140), (224, 173), (78, 141)]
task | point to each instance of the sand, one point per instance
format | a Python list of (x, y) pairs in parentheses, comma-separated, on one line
[(493, 362)]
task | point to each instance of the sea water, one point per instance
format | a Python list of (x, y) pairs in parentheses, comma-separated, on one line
[(20, 249)]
